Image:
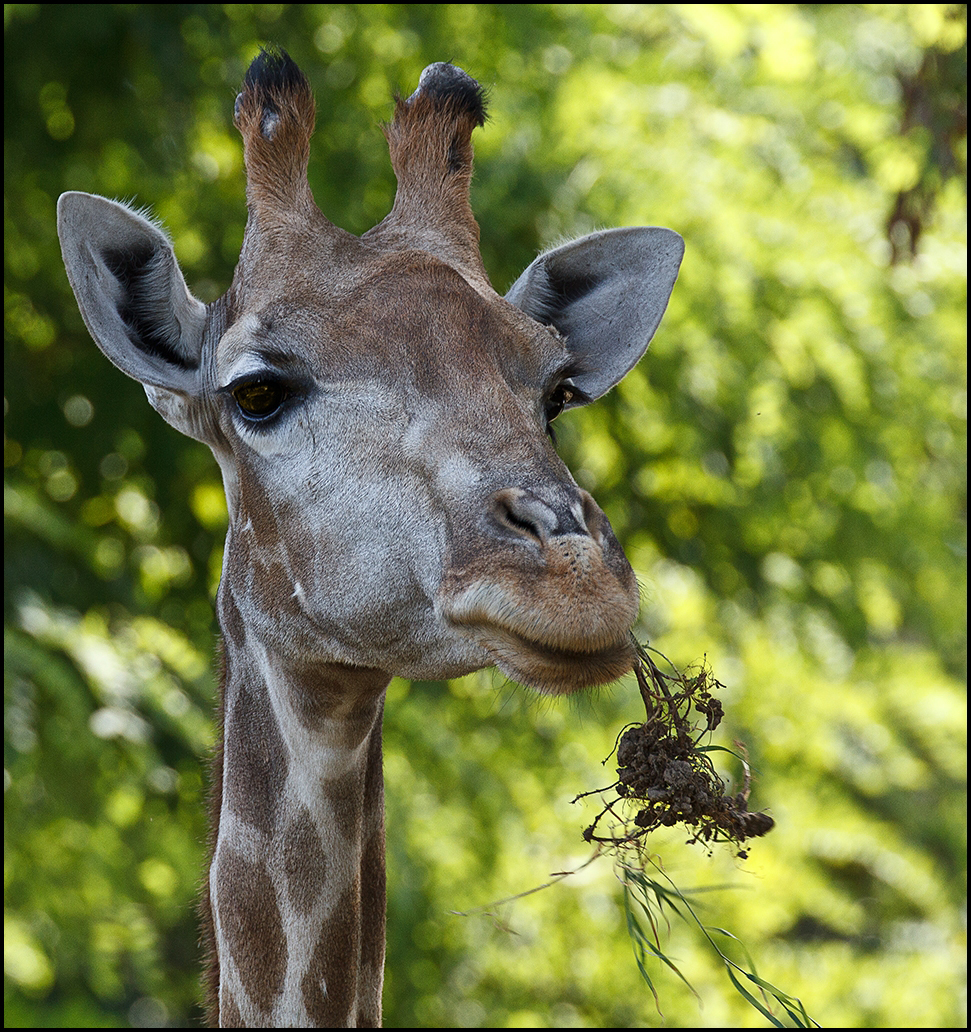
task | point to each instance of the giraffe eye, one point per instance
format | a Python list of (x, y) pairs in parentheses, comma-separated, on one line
[(261, 399), (558, 399)]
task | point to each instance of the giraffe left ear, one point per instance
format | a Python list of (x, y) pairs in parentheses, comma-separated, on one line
[(131, 292), (606, 294)]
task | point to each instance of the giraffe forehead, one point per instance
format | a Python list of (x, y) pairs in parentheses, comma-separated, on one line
[(410, 320)]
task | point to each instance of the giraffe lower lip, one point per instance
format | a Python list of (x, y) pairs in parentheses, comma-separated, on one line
[(552, 668)]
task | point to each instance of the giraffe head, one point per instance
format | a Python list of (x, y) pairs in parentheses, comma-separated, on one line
[(380, 415)]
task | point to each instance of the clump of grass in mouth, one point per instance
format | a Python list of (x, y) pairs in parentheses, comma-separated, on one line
[(665, 775)]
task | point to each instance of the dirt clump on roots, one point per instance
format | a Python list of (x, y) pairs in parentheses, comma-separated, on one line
[(665, 776)]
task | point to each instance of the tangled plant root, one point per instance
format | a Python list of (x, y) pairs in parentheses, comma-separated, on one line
[(664, 774)]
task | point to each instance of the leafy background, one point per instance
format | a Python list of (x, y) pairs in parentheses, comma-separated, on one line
[(786, 470)]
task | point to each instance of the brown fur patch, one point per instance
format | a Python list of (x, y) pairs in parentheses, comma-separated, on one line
[(249, 916), (345, 795), (257, 761), (333, 692), (304, 862), (256, 504), (330, 985), (229, 1015)]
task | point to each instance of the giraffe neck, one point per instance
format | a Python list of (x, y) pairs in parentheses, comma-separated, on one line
[(297, 882)]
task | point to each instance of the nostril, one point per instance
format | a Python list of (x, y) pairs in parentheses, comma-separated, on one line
[(509, 517), (523, 514)]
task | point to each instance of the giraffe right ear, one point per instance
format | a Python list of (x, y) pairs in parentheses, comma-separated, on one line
[(132, 294), (605, 293)]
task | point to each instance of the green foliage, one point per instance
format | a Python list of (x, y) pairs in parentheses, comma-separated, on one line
[(652, 897), (785, 469)]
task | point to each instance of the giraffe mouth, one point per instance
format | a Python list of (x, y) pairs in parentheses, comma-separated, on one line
[(552, 656), (552, 669), (559, 625)]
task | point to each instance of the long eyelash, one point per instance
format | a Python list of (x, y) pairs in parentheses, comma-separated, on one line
[(268, 376), (575, 366)]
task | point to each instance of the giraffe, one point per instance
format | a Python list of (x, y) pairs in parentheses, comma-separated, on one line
[(380, 417)]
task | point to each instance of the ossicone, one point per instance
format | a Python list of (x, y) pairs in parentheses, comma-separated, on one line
[(275, 114), (430, 140)]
